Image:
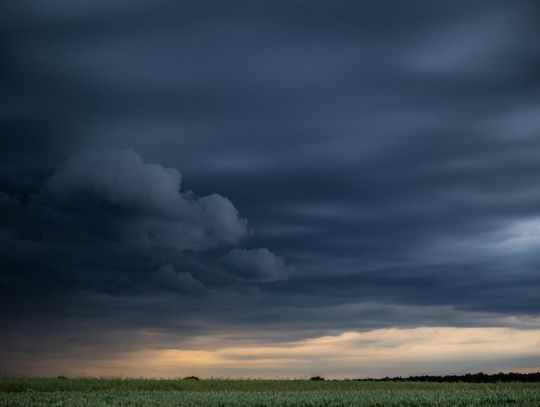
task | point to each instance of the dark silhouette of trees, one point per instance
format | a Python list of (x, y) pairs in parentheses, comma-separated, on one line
[(469, 378)]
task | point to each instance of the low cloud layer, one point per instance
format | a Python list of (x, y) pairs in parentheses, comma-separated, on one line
[(416, 351)]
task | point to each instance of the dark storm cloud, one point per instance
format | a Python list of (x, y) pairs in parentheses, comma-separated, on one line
[(169, 279), (389, 151), (103, 224), (255, 264), (138, 201)]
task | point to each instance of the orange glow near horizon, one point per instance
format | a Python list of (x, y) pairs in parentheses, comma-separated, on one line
[(381, 352)]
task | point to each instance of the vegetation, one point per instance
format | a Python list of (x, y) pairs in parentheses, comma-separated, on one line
[(471, 378), (250, 393)]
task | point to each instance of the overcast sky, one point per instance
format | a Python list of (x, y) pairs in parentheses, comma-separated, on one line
[(233, 180)]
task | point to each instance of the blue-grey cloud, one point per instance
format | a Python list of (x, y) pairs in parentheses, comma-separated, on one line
[(169, 279), (255, 264), (116, 192), (388, 151)]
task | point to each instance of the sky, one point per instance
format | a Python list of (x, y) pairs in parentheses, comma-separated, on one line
[(269, 188)]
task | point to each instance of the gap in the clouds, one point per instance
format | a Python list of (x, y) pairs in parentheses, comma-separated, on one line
[(375, 353)]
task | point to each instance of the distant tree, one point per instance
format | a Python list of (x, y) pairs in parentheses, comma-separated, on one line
[(468, 378)]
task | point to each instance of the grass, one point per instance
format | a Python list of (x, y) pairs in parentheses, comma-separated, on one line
[(251, 393)]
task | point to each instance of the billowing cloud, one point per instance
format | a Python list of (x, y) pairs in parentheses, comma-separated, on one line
[(103, 225), (255, 264), (116, 194), (168, 278)]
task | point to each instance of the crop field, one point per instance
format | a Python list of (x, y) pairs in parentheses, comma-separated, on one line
[(248, 393)]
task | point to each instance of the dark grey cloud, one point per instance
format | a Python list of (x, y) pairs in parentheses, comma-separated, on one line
[(7, 201), (138, 201), (255, 264), (385, 154), (104, 222), (169, 279)]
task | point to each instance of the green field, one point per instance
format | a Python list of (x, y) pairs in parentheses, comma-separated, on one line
[(141, 392)]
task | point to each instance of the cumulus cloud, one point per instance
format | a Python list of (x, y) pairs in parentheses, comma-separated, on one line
[(115, 177), (117, 194), (255, 264), (106, 221)]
